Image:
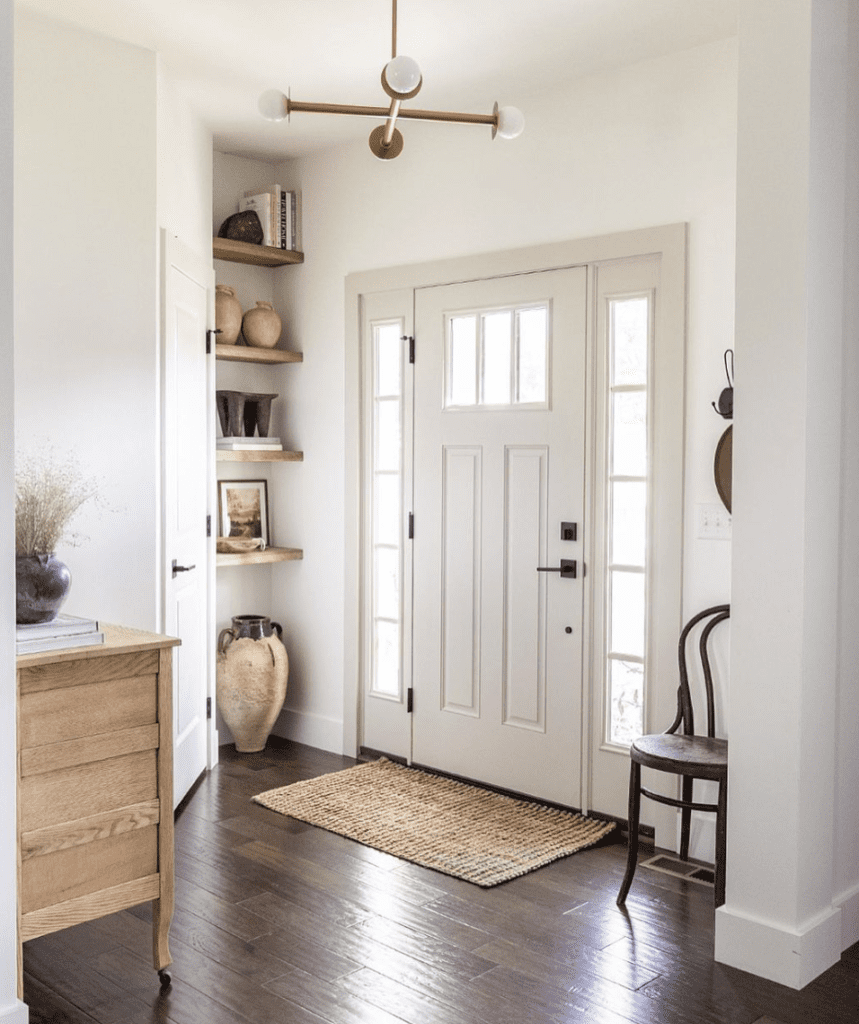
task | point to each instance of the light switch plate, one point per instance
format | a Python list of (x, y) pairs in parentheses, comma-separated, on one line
[(714, 522)]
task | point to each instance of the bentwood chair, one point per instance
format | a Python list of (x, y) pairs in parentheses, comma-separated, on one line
[(684, 754)]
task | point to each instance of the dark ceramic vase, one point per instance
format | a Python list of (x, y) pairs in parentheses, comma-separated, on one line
[(42, 584)]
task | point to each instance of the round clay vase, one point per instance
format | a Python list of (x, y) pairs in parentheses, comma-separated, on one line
[(252, 674), (42, 584), (228, 314), (261, 326)]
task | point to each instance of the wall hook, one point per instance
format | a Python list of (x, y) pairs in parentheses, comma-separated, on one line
[(725, 407)]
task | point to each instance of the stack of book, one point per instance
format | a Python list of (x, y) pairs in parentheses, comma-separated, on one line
[(250, 444), (277, 210), (58, 634)]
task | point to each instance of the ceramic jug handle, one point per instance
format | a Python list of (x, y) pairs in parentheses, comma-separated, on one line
[(222, 643), (279, 628)]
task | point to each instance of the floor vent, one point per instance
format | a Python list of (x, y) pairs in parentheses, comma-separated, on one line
[(681, 869)]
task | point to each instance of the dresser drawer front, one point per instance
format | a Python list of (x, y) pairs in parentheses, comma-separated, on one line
[(91, 709), (85, 790), (91, 669), (80, 870)]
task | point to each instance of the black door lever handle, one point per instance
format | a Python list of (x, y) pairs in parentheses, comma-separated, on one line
[(567, 568)]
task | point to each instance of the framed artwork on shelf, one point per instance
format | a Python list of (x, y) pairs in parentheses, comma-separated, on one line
[(243, 512)]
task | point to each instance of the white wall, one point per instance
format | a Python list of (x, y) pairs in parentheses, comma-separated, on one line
[(846, 873), (184, 164), (12, 1011), (648, 145), (792, 819), (86, 312)]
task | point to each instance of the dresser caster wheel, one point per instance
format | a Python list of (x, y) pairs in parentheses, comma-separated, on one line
[(165, 980)]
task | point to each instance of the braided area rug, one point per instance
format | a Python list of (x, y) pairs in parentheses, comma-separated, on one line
[(452, 827)]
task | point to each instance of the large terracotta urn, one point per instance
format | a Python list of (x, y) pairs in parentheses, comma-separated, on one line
[(228, 314), (252, 674), (261, 326)]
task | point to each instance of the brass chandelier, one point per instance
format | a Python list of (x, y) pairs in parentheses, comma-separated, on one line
[(401, 80)]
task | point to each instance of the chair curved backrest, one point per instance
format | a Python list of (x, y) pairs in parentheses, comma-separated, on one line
[(685, 713)]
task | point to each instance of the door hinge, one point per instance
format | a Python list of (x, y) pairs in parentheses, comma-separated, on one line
[(208, 526), (410, 700), (209, 335), (411, 526), (208, 707), (410, 339)]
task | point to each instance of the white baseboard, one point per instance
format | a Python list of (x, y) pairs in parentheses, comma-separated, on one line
[(15, 1013), (848, 903), (314, 730), (789, 957)]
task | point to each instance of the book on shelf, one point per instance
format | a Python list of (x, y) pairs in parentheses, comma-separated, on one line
[(250, 443), (61, 633), (282, 208)]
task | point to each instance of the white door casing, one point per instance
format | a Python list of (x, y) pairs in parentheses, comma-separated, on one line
[(187, 311), (497, 678), (605, 258)]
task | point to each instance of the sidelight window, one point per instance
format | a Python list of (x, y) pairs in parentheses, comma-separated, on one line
[(387, 472), (627, 483)]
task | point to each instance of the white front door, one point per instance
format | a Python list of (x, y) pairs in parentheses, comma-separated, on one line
[(188, 285), (499, 421)]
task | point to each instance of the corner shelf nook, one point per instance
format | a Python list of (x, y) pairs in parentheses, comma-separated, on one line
[(259, 256)]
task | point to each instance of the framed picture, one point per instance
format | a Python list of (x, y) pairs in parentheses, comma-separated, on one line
[(243, 510)]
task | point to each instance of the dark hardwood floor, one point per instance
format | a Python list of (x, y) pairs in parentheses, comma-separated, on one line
[(277, 921)]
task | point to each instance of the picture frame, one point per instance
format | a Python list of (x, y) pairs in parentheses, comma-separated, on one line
[(243, 513)]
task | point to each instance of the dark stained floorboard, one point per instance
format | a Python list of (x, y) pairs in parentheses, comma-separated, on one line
[(278, 922)]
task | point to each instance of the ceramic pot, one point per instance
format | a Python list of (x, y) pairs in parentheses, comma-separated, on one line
[(261, 326), (42, 584), (252, 674), (228, 314)]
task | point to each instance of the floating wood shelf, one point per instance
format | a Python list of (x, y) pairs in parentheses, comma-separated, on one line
[(260, 557), (257, 455), (246, 354), (257, 255)]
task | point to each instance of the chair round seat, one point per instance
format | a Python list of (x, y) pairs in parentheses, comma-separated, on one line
[(699, 756)]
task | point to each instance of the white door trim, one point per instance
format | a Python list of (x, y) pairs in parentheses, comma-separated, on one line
[(173, 251), (668, 241)]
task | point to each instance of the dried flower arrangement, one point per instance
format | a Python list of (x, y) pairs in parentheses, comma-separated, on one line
[(47, 497)]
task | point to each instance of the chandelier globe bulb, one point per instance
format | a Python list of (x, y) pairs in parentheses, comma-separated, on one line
[(511, 122), (273, 105), (402, 74)]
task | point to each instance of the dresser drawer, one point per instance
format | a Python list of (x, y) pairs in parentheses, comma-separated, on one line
[(89, 709), (80, 870), (85, 790)]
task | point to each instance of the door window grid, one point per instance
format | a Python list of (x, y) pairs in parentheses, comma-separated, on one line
[(497, 358), (387, 473), (627, 492)]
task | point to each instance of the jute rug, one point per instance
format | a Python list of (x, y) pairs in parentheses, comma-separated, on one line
[(455, 828)]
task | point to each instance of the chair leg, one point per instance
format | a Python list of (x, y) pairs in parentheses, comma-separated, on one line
[(685, 817), (721, 841), (634, 809)]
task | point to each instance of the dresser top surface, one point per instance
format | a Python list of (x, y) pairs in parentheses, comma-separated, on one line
[(117, 640)]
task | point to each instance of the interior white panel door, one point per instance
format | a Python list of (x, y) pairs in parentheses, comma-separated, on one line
[(187, 296), (499, 465)]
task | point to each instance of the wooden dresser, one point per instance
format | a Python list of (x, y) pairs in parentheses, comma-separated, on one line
[(95, 785)]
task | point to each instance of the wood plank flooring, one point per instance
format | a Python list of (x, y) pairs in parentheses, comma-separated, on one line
[(277, 921)]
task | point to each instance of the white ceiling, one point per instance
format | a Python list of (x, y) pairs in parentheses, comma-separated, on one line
[(224, 53)]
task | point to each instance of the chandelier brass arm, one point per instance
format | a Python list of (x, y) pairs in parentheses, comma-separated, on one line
[(401, 80)]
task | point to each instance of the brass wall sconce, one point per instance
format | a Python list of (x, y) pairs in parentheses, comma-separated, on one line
[(401, 80)]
